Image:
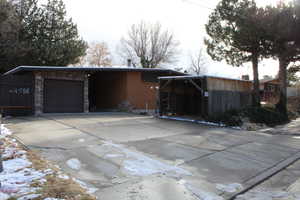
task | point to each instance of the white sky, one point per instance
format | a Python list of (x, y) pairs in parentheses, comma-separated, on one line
[(109, 20)]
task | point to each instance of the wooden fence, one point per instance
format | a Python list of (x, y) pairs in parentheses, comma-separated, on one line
[(221, 101)]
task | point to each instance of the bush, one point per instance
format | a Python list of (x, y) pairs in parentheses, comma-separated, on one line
[(265, 115), (229, 118), (262, 115)]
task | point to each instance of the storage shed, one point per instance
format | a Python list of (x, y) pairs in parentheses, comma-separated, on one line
[(202, 96), (90, 89)]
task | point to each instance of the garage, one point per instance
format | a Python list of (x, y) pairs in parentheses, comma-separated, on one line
[(63, 96)]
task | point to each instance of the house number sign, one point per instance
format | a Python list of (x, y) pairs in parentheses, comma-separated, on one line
[(20, 91)]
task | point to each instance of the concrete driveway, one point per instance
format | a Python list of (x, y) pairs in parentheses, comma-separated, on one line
[(128, 156)]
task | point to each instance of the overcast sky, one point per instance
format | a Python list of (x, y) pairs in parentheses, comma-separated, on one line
[(109, 20)]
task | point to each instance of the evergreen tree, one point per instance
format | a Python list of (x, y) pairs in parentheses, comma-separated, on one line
[(10, 47), (38, 35), (58, 42), (282, 24), (236, 36)]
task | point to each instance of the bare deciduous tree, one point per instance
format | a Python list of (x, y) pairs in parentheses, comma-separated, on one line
[(198, 63), (149, 45), (98, 54)]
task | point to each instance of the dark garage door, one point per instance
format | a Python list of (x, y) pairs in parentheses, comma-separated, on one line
[(61, 96)]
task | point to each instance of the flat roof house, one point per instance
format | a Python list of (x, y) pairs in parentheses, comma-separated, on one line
[(82, 89)]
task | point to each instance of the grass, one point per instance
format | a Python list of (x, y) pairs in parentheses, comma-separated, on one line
[(63, 189), (56, 187)]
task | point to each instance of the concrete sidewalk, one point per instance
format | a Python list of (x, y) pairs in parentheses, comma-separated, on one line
[(138, 157)]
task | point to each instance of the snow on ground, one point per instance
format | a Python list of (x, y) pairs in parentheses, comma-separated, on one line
[(4, 131), (89, 190), (194, 121), (141, 165), (19, 176), (74, 163)]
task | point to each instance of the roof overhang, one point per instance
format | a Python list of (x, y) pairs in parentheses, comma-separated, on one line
[(184, 77), (28, 69)]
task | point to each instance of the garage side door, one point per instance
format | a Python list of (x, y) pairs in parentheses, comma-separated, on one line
[(61, 96)]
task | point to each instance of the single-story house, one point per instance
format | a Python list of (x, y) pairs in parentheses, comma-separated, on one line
[(202, 96), (269, 90), (82, 89)]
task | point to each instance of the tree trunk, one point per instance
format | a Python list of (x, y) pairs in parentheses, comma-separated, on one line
[(255, 92), (282, 104)]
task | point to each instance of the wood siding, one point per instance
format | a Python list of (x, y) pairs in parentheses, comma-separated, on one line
[(222, 101), (227, 94), (222, 84)]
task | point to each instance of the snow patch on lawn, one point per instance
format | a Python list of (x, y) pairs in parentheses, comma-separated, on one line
[(63, 176), (29, 197), (4, 131), (74, 163), (18, 174), (89, 190), (141, 165)]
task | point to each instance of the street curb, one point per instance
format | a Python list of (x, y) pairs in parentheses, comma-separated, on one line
[(266, 174)]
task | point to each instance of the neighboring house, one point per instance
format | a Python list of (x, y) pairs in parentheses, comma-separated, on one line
[(83, 89), (269, 90), (202, 96)]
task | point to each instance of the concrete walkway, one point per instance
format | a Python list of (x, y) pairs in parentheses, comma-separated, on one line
[(138, 157)]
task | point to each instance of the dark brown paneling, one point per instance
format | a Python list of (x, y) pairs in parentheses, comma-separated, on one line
[(17, 90), (63, 96), (107, 90)]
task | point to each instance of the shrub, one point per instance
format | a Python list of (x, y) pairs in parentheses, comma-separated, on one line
[(229, 118), (262, 115), (265, 115)]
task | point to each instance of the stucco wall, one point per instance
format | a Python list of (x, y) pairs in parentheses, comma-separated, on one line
[(58, 75)]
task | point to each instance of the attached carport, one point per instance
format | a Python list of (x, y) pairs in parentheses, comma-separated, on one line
[(92, 89)]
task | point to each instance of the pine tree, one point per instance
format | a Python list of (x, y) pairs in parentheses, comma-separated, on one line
[(282, 25), (236, 36), (58, 42), (10, 48), (37, 35)]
